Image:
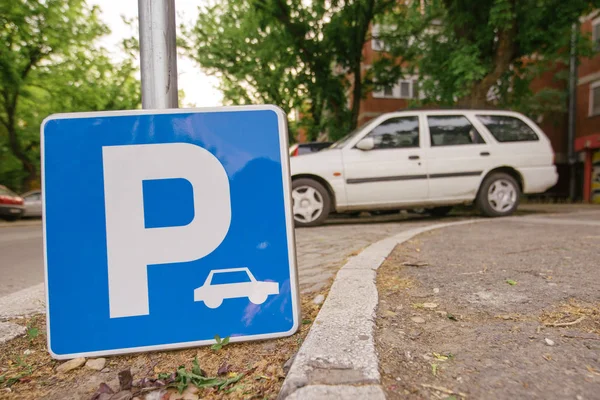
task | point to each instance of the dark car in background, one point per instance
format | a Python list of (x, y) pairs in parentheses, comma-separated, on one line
[(299, 149), (11, 204)]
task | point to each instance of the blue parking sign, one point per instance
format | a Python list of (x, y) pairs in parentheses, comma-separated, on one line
[(165, 228)]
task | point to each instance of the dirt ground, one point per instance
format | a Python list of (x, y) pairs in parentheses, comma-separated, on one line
[(28, 372), (502, 310)]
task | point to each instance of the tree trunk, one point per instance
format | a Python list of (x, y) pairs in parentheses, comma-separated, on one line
[(504, 55), (356, 94), (29, 180)]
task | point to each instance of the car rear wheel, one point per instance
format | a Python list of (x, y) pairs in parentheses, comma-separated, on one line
[(311, 202), (499, 195)]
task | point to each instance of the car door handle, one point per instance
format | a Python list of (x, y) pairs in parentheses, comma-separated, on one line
[(484, 153), (413, 157)]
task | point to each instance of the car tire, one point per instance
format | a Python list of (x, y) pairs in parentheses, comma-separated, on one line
[(498, 195), (12, 218), (316, 196), (439, 211)]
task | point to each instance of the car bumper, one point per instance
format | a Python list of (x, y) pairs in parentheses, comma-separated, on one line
[(538, 179), (11, 211)]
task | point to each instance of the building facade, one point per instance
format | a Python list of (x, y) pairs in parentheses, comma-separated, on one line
[(555, 125)]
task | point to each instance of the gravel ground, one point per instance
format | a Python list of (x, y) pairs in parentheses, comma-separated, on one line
[(472, 311)]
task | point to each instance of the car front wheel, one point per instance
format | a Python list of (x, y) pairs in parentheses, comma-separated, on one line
[(499, 195), (311, 202)]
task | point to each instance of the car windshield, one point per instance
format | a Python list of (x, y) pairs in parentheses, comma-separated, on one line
[(342, 142)]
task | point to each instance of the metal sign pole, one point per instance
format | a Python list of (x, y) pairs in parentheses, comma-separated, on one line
[(158, 53)]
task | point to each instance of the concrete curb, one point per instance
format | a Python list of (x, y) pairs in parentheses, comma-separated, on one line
[(23, 303), (20, 304), (339, 351)]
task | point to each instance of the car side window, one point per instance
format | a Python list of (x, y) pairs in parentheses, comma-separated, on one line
[(396, 133), (508, 129), (452, 130), (34, 197)]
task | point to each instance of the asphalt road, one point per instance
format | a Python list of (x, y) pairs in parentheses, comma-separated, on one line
[(21, 258), (320, 250)]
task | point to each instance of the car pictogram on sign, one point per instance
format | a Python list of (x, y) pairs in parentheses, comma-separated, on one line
[(213, 294)]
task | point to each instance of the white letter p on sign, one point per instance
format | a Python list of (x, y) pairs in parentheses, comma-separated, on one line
[(130, 246)]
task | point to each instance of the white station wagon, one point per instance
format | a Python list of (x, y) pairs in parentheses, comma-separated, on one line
[(426, 159)]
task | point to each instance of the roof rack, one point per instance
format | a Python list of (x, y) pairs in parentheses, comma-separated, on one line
[(435, 107)]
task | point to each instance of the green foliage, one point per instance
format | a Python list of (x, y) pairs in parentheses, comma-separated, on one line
[(25, 369), (50, 64), (198, 378), (465, 51), (300, 56), (220, 343)]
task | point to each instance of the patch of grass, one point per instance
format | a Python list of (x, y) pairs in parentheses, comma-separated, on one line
[(511, 282)]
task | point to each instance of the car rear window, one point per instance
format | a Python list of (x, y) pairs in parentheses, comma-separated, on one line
[(508, 129)]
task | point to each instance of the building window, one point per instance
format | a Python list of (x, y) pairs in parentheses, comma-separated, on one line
[(596, 34), (404, 89), (595, 98), (376, 43)]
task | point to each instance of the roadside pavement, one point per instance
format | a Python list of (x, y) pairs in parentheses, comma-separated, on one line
[(502, 306), (338, 358), (320, 253)]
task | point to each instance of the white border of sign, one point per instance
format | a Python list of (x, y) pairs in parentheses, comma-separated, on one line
[(285, 164)]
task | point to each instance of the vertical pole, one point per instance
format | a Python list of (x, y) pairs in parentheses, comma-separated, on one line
[(158, 53), (572, 111)]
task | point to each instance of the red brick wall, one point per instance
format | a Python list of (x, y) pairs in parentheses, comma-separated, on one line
[(554, 124), (588, 66), (588, 73), (586, 125)]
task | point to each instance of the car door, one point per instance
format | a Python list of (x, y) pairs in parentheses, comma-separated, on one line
[(456, 158), (33, 204), (394, 171)]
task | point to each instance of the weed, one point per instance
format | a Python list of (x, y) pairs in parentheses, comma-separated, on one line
[(511, 282), (8, 382), (198, 378), (32, 332), (220, 343)]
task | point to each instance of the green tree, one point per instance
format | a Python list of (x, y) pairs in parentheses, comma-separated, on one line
[(298, 55), (465, 50), (50, 64)]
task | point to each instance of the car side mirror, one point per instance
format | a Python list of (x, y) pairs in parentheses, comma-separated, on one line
[(366, 144)]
